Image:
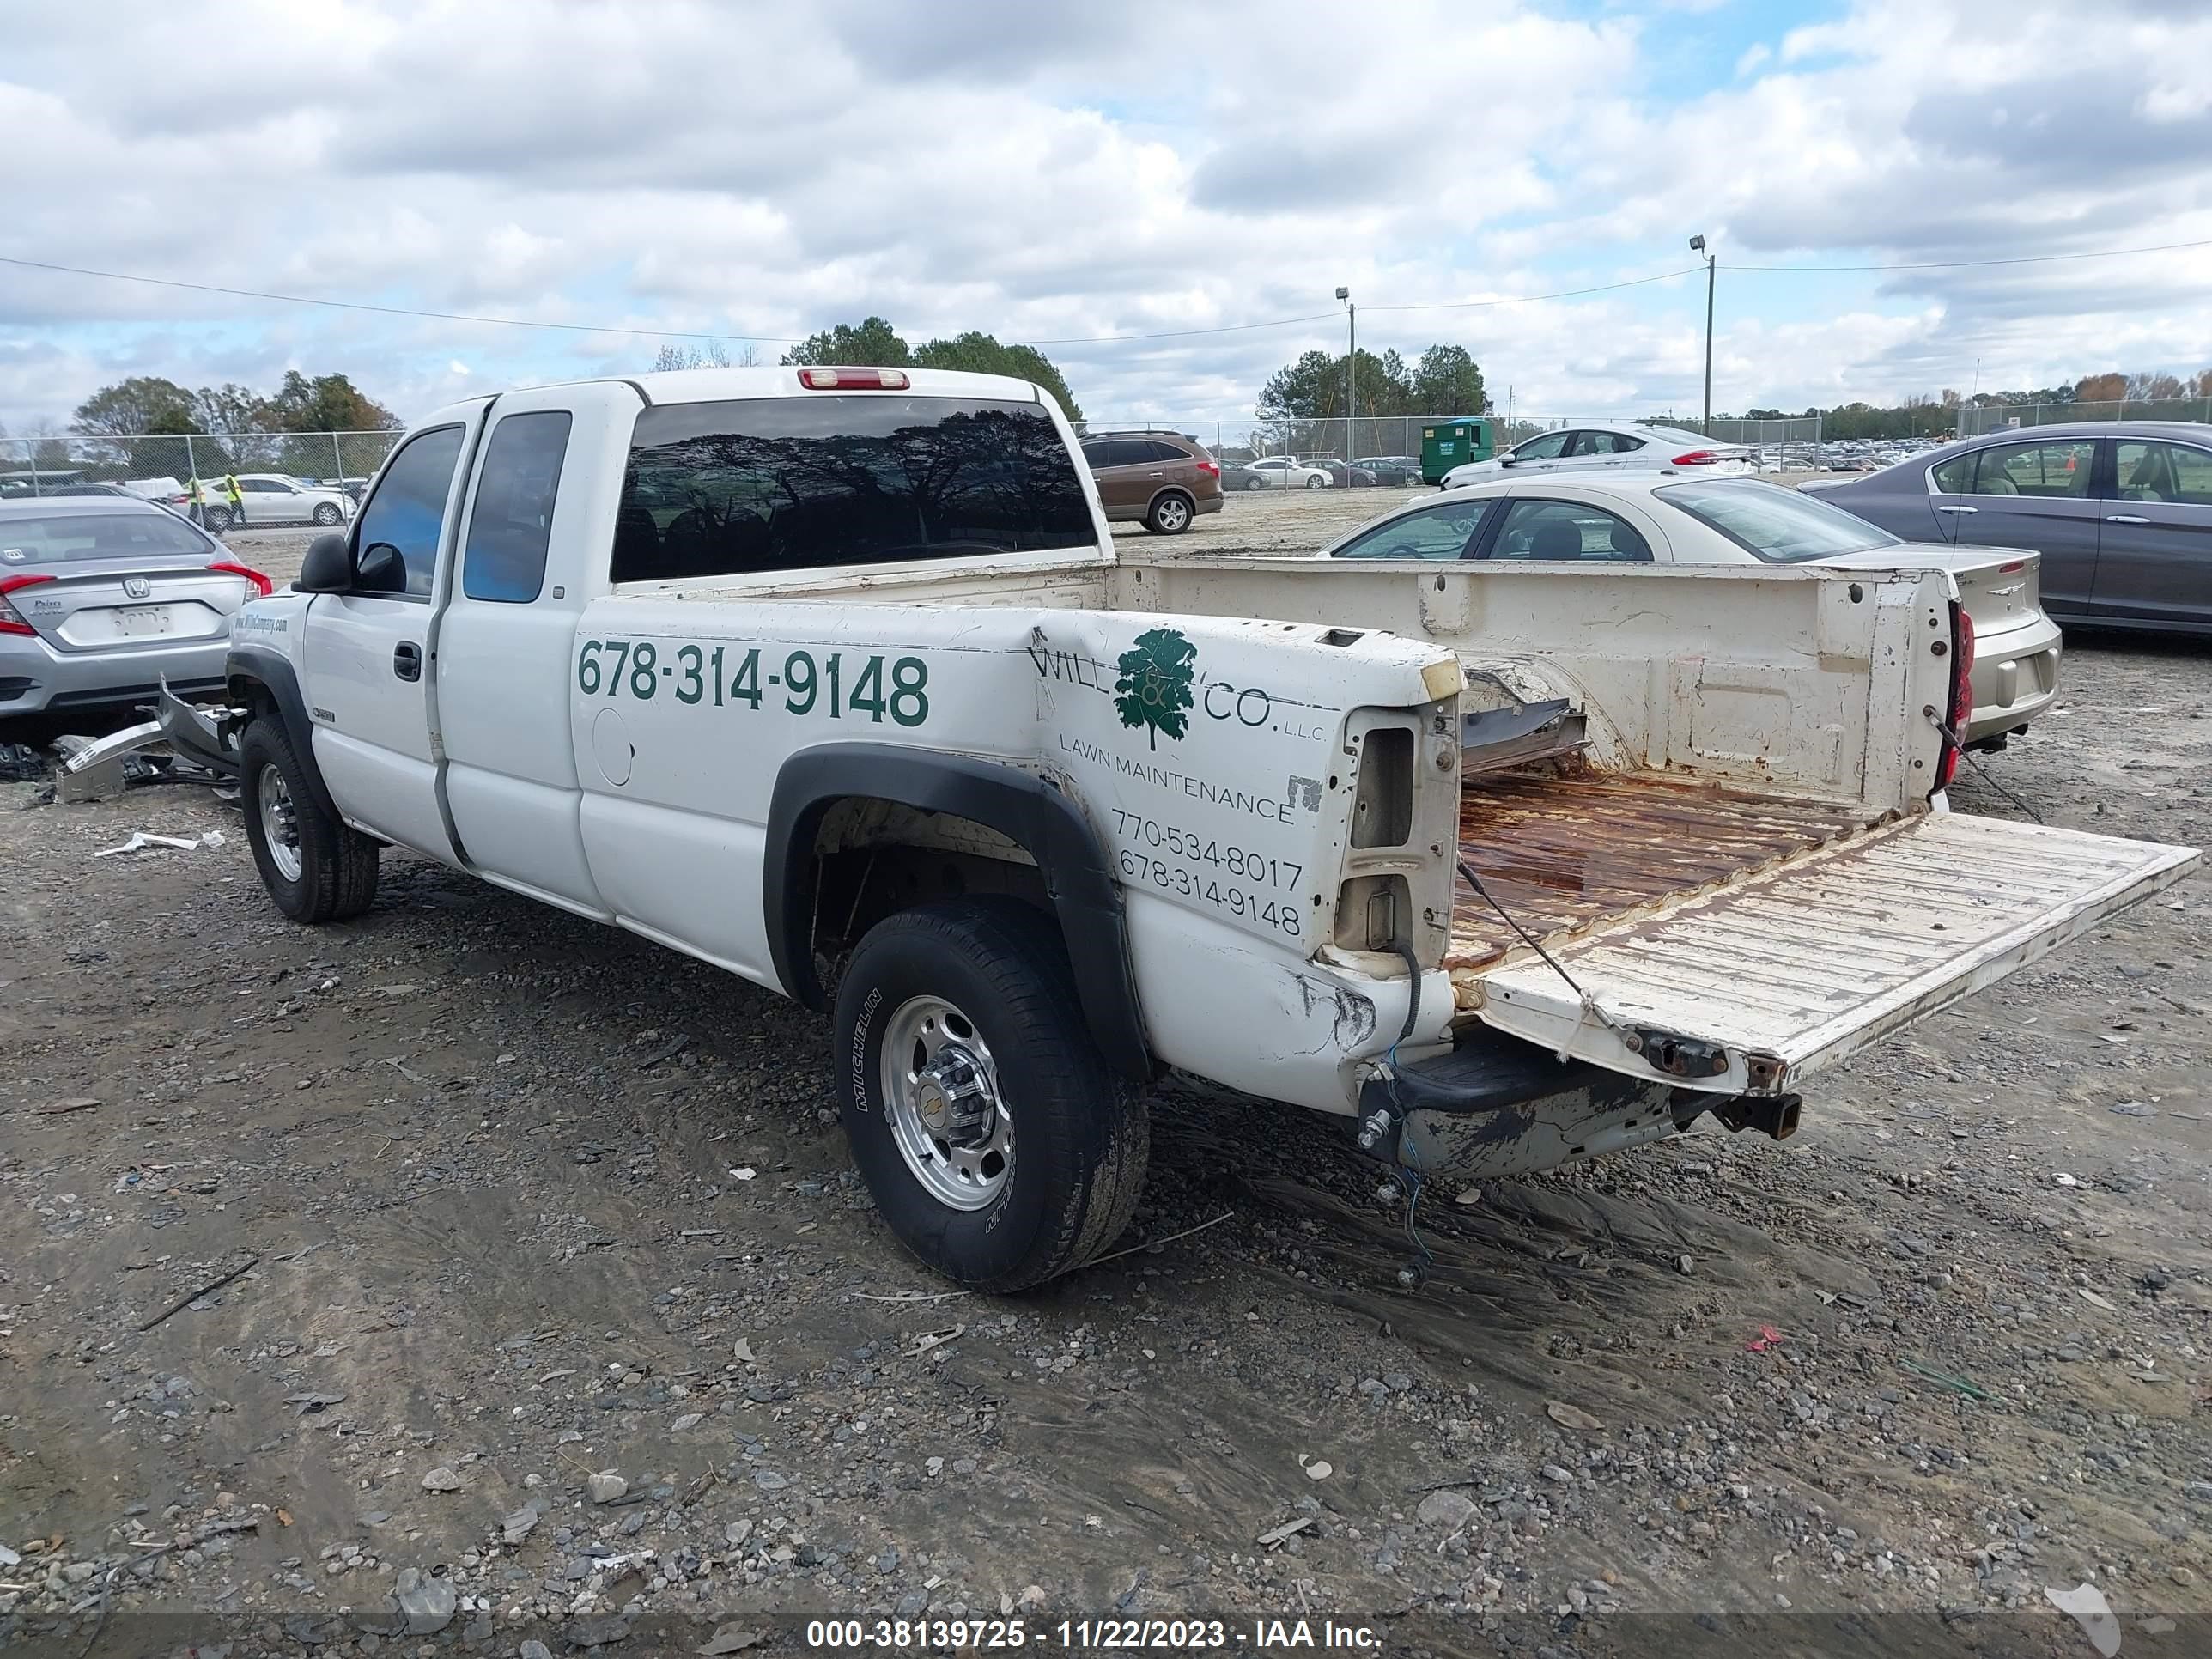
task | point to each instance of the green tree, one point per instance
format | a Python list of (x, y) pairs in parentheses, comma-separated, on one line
[(873, 344), (230, 408), (1154, 689), (981, 353), (143, 403), (329, 403), (1446, 381)]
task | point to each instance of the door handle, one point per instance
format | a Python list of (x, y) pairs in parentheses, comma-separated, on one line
[(2125, 518), (1958, 510), (407, 661)]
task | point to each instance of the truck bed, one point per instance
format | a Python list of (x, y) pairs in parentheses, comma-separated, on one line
[(1563, 851)]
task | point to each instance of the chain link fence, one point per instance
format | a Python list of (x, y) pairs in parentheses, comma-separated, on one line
[(1976, 419), (1385, 446), (41, 466)]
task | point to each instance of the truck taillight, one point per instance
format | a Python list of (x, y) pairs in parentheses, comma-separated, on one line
[(853, 379), (263, 587), (1962, 693), (11, 620)]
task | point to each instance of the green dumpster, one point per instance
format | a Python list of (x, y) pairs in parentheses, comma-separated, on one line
[(1453, 443)]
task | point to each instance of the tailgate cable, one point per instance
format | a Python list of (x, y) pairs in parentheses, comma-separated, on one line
[(1589, 1010), (1967, 755)]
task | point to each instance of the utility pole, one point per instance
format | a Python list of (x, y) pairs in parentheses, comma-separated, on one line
[(1351, 375), (1698, 245)]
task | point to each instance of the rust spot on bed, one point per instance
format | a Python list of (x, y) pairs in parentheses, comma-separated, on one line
[(1563, 848)]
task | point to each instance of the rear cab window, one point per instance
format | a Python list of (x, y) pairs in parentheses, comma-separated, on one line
[(817, 482)]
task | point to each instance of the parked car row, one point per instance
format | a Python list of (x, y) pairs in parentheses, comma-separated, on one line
[(1598, 446), (1672, 517)]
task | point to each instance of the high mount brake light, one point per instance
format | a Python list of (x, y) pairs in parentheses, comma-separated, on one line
[(853, 379)]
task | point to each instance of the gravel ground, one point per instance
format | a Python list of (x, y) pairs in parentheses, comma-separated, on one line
[(561, 1319)]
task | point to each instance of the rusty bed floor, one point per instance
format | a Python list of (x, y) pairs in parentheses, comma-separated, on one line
[(1561, 853)]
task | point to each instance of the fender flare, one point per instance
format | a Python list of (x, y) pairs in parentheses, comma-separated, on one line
[(272, 672), (1029, 811)]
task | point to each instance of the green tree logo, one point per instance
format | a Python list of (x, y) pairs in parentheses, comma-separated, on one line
[(1154, 689)]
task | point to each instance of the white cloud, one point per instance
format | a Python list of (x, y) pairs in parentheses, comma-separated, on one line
[(1047, 172)]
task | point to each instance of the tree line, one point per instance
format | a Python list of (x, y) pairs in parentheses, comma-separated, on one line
[(1444, 381), (1923, 416)]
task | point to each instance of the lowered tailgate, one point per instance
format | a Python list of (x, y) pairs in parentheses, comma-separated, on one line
[(1750, 985)]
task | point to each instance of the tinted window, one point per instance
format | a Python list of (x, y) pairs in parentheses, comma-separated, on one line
[(2037, 469), (2164, 473), (791, 483), (1622, 444), (1551, 446), (1779, 525), (1566, 529), (1443, 531), (1094, 454), (1157, 451), (1956, 476), (97, 535), (409, 508), (513, 519)]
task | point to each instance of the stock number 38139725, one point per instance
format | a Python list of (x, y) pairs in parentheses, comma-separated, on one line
[(855, 688)]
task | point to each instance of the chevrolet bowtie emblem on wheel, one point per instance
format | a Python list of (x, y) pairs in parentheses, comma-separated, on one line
[(136, 587)]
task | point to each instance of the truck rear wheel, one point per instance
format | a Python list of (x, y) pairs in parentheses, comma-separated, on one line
[(315, 866), (999, 1145)]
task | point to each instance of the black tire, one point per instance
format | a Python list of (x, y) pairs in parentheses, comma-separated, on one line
[(218, 520), (1317, 484), (326, 514), (1255, 483), (337, 875), (1079, 1129), (1171, 514)]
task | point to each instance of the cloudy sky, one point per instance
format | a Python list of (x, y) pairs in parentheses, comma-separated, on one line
[(1060, 172)]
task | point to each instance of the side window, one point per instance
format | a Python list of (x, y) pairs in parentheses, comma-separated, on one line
[(512, 522), (1443, 531), (2037, 469), (1549, 531), (1548, 447), (1094, 455), (407, 512), (1624, 444), (2164, 473), (1165, 452), (1956, 476)]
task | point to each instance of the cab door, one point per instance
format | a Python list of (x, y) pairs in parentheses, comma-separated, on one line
[(369, 667)]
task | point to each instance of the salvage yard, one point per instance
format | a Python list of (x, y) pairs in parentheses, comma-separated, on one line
[(562, 1316)]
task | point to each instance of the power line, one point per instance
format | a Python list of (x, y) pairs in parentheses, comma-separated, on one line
[(1969, 265)]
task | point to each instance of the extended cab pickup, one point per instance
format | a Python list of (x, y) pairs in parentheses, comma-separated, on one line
[(833, 679)]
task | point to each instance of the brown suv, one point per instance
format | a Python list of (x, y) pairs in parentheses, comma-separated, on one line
[(1161, 480)]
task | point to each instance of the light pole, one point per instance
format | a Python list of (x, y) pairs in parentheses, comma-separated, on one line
[(1698, 245), (1351, 375)]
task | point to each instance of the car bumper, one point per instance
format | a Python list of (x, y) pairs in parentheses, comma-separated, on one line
[(1205, 504), (36, 680), (2015, 678)]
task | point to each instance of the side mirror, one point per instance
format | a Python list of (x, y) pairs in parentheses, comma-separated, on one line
[(383, 569), (1506, 460), (328, 566)]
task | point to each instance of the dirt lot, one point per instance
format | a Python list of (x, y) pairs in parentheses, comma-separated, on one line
[(522, 1202)]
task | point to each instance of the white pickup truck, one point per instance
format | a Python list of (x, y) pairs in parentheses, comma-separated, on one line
[(833, 679)]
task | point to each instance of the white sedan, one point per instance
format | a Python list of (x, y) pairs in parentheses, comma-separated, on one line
[(1281, 472), (273, 498), (1671, 517), (1603, 446)]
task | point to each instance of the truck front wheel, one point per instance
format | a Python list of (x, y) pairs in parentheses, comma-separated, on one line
[(315, 866), (999, 1145)]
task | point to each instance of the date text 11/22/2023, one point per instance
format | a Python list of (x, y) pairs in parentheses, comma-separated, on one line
[(860, 688)]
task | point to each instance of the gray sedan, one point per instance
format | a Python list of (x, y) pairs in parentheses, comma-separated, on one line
[(2120, 510), (100, 599)]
